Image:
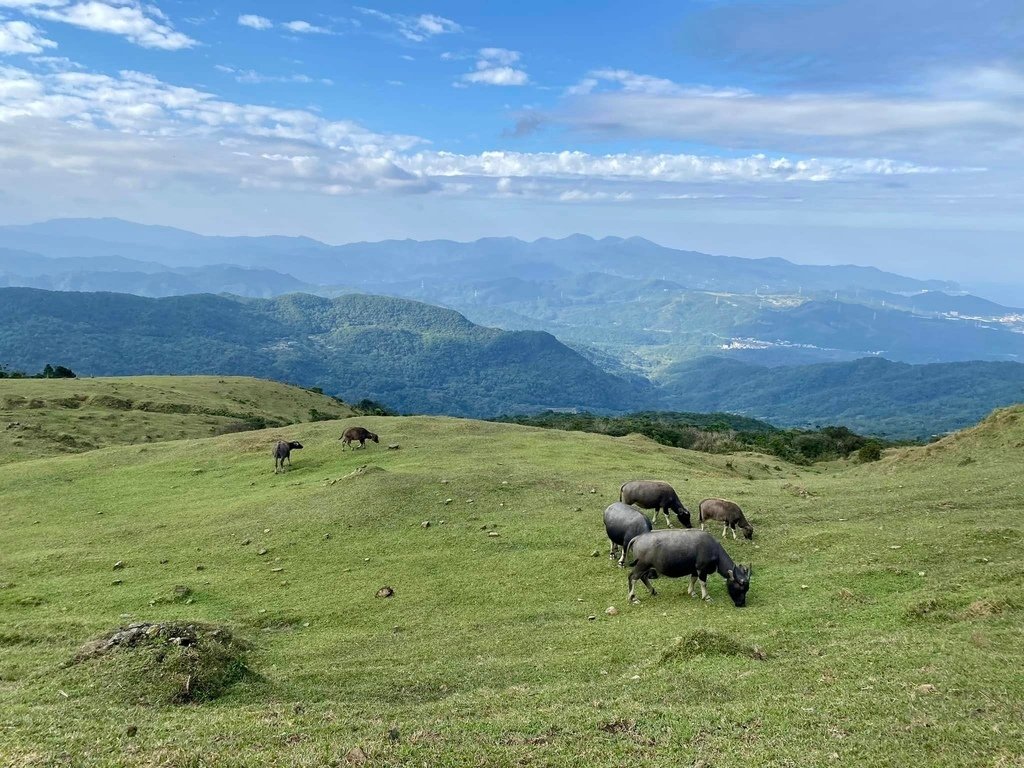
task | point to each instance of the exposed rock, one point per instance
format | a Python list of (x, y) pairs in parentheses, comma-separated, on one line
[(246, 542), (448, 501), (115, 582), (262, 551), (591, 617), (276, 570), (493, 534), (385, 591), (119, 565), (394, 447), (425, 524), (611, 610), (595, 553)]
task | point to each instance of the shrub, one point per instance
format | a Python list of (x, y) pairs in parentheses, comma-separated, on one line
[(869, 452)]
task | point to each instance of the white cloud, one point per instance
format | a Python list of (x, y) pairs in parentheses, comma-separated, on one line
[(134, 130), (252, 76), (255, 22), (305, 28), (499, 55), (22, 37), (948, 118), (414, 28), (493, 68), (145, 26)]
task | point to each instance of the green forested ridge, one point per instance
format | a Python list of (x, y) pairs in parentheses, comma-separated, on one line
[(871, 395), (415, 357), (408, 355)]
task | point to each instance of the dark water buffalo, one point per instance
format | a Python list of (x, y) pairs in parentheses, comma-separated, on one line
[(624, 523), (685, 553), (357, 433), (656, 495), (283, 451), (726, 512)]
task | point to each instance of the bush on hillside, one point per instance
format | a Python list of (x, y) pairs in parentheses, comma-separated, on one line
[(869, 452)]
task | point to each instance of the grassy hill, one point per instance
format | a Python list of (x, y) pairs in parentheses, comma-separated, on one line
[(883, 624), (44, 417)]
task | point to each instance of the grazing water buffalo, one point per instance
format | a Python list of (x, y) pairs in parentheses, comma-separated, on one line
[(283, 451), (656, 495), (624, 523), (726, 512), (685, 553), (357, 433)]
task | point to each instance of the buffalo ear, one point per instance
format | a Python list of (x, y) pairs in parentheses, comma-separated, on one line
[(731, 576)]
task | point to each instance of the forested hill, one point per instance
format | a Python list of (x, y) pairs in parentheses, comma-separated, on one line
[(412, 356), (869, 395)]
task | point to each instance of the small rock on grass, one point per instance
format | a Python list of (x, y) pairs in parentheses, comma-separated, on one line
[(611, 610), (246, 542), (595, 553), (262, 552), (385, 591), (355, 756), (425, 524), (591, 617), (493, 534), (119, 565)]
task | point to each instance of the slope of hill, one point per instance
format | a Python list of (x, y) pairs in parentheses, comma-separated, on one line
[(411, 356), (883, 617), (43, 417), (869, 395)]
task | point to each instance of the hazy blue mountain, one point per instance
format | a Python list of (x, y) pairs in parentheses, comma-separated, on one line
[(370, 264), (412, 356)]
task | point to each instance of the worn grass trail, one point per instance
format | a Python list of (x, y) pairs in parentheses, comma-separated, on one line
[(884, 605)]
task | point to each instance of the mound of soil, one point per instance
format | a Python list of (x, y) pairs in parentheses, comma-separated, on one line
[(167, 662)]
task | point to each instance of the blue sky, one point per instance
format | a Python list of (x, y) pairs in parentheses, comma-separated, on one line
[(863, 131)]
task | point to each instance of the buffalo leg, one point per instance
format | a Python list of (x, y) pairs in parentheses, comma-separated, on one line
[(725, 532), (693, 583), (704, 589), (611, 551), (647, 583), (668, 520)]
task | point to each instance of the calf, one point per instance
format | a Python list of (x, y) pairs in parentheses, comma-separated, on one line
[(685, 553), (357, 433), (656, 495), (726, 512), (283, 451), (624, 523)]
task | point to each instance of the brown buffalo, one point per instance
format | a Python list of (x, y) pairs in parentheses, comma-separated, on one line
[(357, 433)]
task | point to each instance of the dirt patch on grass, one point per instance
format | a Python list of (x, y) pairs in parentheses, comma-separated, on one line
[(706, 642), (166, 663), (929, 608), (984, 608)]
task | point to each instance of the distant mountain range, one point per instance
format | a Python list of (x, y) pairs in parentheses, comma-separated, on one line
[(638, 305), (424, 359)]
